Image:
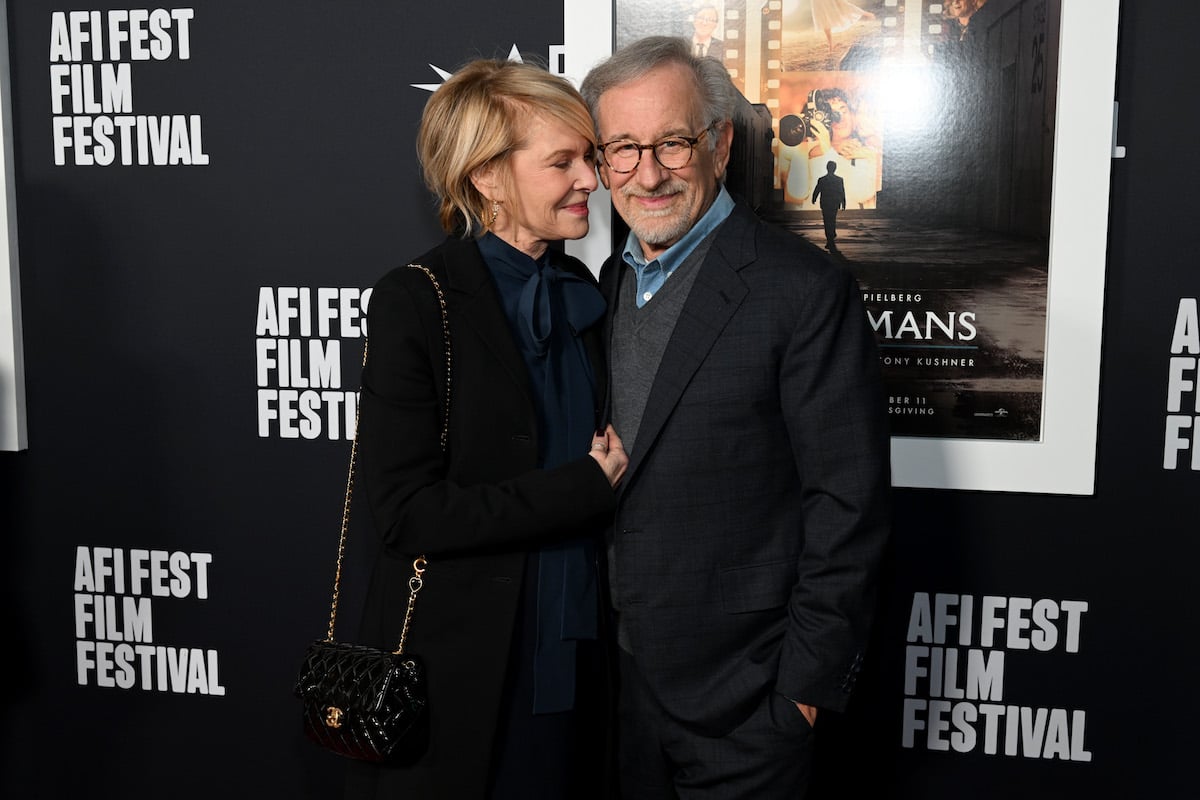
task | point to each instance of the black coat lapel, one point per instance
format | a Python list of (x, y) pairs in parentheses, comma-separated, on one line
[(475, 305)]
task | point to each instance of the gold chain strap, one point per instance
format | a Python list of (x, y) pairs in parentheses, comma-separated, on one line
[(437, 287), (414, 585), (341, 552), (416, 582)]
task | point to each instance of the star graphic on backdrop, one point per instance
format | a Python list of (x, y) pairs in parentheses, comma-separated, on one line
[(513, 55)]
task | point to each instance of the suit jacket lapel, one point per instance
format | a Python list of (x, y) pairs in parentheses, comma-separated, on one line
[(712, 301)]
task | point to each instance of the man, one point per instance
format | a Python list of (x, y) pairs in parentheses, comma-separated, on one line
[(831, 192), (961, 12), (749, 529), (704, 22)]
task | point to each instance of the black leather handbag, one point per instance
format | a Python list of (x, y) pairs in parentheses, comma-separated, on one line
[(364, 702)]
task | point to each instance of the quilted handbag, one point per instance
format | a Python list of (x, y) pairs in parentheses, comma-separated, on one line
[(363, 702)]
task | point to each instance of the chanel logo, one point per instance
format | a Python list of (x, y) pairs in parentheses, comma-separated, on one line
[(333, 717)]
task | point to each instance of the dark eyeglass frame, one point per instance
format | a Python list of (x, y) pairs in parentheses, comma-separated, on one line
[(691, 142)]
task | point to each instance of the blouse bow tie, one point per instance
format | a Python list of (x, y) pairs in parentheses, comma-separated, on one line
[(582, 305)]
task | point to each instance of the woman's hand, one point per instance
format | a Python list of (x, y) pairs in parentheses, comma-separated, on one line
[(854, 147), (610, 455), (820, 133)]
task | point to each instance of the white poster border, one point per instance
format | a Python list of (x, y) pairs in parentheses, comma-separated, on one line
[(1064, 460)]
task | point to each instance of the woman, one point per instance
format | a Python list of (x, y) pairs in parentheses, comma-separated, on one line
[(508, 516)]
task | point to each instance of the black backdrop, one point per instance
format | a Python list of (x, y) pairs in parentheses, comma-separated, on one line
[(141, 296)]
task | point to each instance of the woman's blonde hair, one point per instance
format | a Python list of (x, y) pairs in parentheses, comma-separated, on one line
[(475, 120)]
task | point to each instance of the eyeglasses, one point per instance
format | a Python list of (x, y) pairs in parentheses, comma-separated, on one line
[(674, 152)]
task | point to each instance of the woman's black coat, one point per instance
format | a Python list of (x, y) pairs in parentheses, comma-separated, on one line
[(473, 512)]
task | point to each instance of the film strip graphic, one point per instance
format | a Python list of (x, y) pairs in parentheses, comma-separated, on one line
[(755, 44)]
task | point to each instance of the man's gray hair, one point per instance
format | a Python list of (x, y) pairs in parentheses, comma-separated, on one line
[(631, 62)]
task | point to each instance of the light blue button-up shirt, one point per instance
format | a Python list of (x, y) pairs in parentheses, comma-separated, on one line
[(651, 276)]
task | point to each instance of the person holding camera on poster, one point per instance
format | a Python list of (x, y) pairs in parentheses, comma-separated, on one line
[(829, 128), (842, 133), (746, 386)]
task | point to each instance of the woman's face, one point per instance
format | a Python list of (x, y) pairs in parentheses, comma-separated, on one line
[(845, 120), (551, 177)]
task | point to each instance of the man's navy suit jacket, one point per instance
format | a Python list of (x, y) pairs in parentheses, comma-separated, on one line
[(753, 516)]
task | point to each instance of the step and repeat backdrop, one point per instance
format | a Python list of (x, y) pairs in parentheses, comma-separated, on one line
[(202, 196)]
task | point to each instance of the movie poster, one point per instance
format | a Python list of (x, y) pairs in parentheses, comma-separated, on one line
[(939, 119)]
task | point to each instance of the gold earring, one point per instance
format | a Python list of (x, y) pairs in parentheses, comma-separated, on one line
[(495, 213)]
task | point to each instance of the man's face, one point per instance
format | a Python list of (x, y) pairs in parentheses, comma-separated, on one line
[(705, 22), (661, 205), (958, 8)]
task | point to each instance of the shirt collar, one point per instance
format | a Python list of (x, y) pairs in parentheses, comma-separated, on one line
[(674, 255)]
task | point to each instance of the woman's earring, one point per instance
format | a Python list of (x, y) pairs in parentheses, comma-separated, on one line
[(495, 213)]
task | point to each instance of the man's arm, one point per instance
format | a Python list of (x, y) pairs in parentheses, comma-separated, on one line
[(837, 424)]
